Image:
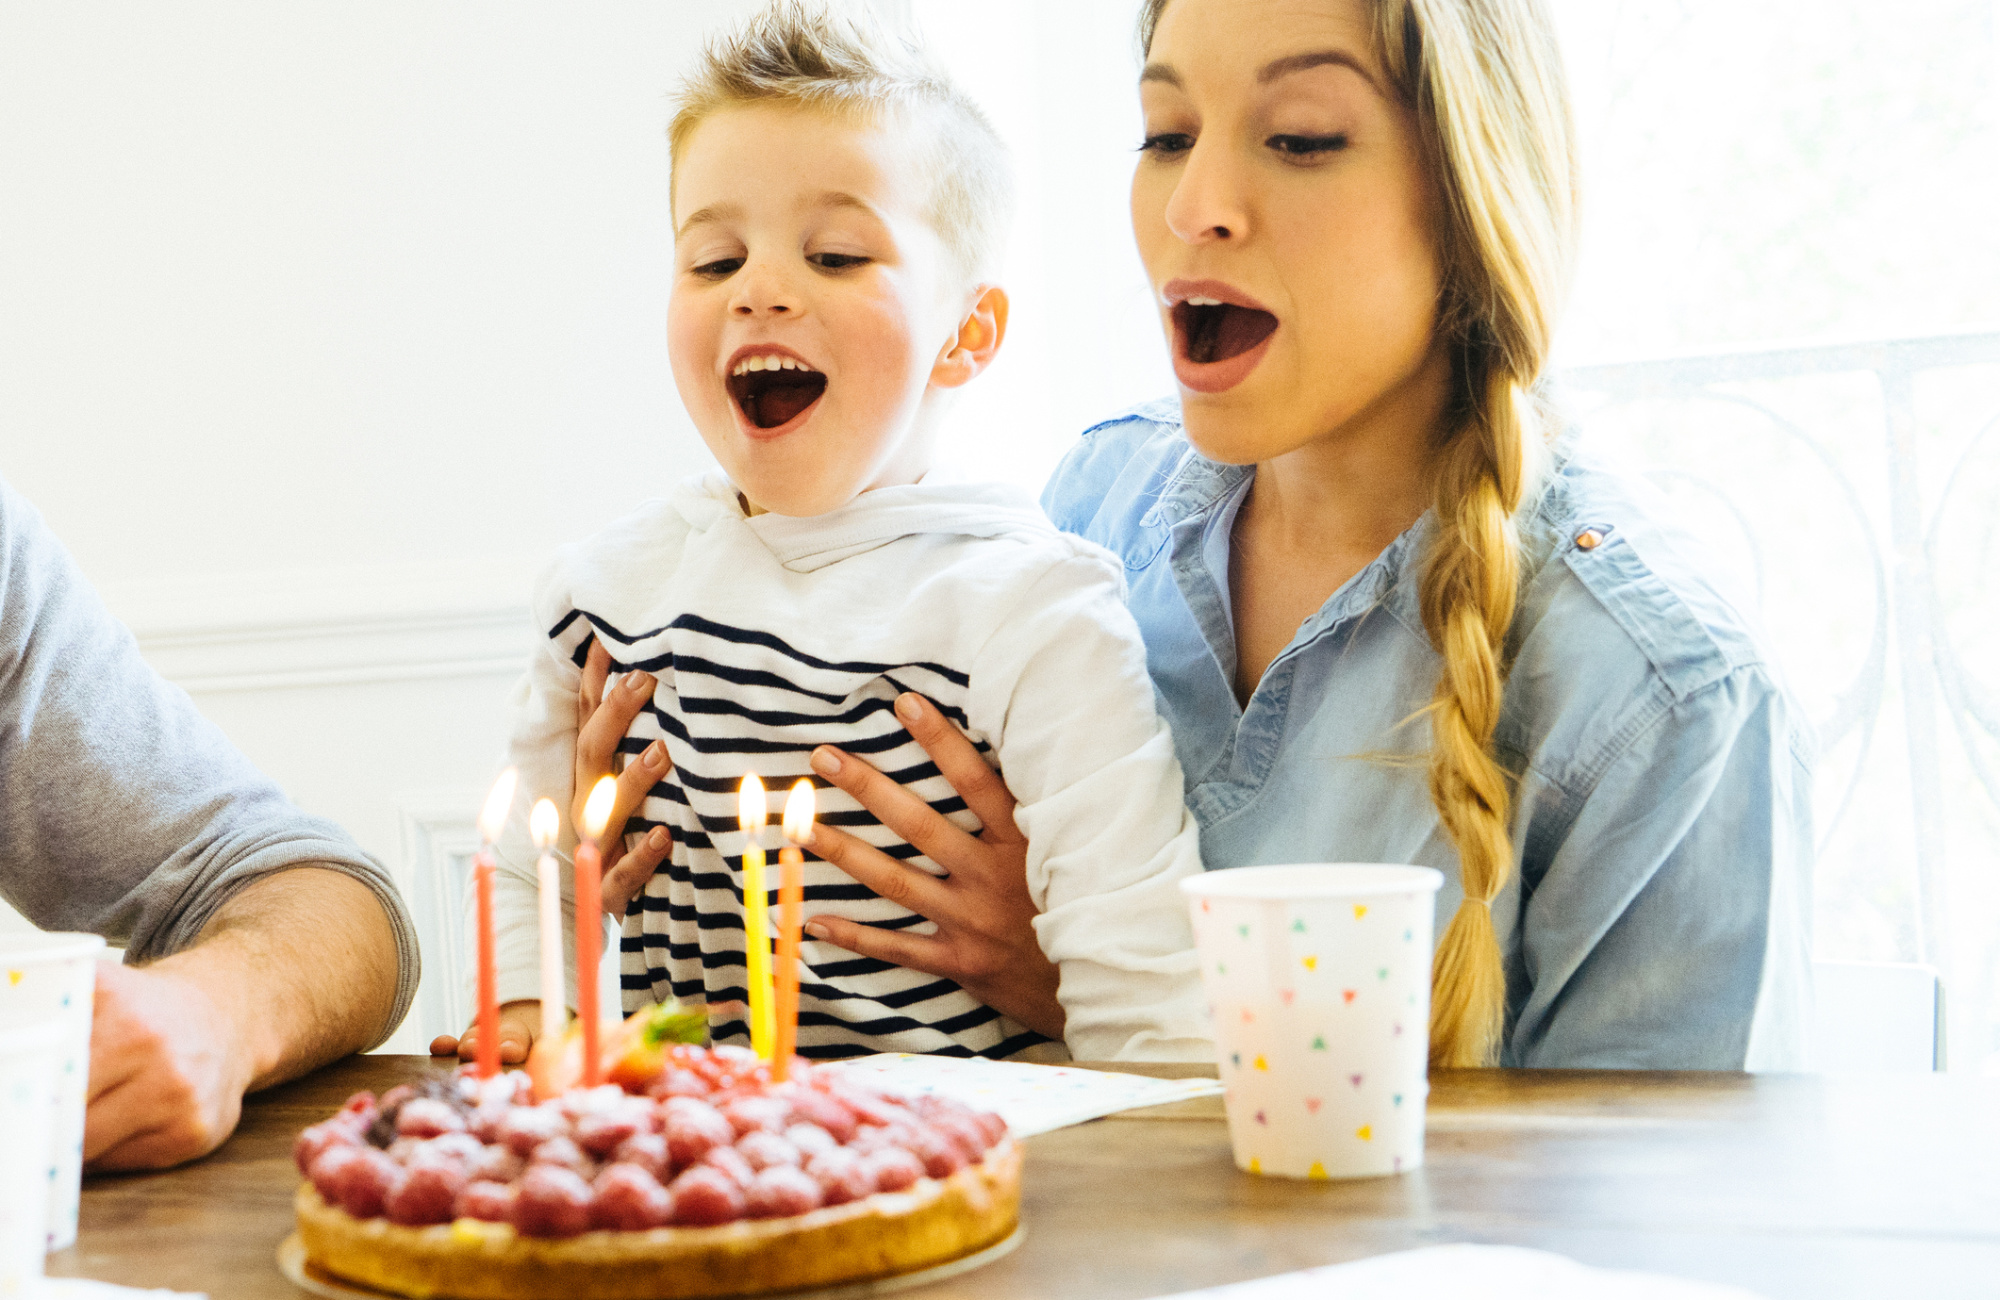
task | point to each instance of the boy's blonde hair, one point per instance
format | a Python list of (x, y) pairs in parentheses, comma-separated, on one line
[(802, 53), (1484, 79)]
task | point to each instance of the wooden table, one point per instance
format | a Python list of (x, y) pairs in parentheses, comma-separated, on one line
[(1788, 1185)]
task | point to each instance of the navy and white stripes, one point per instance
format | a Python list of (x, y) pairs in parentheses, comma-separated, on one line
[(734, 699)]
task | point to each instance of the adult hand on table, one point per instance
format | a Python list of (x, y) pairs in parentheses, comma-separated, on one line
[(603, 718), (167, 1072), (296, 969), (985, 940)]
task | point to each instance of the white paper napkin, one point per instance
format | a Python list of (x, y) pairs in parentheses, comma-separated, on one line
[(83, 1288), (1489, 1272), (1031, 1098)]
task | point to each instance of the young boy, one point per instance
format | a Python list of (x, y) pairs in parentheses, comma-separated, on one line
[(838, 207)]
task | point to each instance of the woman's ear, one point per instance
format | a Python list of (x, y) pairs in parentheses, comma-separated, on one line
[(977, 342)]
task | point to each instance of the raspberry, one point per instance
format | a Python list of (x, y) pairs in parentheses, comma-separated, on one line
[(492, 1202), (425, 1194), (892, 1169), (764, 1150), (705, 1196), (782, 1191), (551, 1201), (630, 1198), (646, 1150)]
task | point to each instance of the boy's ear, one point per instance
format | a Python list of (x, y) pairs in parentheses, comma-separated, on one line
[(977, 341)]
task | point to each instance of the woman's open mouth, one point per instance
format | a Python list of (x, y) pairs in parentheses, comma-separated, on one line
[(773, 390), (1216, 343)]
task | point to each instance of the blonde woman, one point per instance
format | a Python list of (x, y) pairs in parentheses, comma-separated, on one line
[(1394, 611)]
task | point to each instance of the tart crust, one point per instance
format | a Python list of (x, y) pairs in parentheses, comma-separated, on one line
[(887, 1233)]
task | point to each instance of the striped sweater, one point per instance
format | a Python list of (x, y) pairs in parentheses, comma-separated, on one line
[(771, 635)]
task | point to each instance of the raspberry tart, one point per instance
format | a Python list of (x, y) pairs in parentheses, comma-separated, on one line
[(694, 1175)]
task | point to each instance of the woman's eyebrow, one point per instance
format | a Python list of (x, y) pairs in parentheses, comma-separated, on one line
[(1291, 63), (1165, 73)]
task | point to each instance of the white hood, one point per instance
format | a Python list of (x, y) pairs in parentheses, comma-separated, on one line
[(803, 543)]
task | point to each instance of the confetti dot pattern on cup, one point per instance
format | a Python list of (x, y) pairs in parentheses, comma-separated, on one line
[(51, 978), (1315, 993)]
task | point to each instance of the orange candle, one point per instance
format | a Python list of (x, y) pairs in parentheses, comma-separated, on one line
[(791, 916), (491, 819), (590, 920)]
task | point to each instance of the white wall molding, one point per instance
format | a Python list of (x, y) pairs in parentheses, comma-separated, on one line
[(342, 653), (440, 838), (277, 629)]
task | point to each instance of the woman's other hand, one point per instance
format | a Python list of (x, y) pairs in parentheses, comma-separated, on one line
[(985, 940), (603, 718), (519, 1022)]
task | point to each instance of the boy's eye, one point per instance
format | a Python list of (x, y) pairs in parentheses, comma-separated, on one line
[(719, 269), (1166, 143), (1307, 146), (836, 261)]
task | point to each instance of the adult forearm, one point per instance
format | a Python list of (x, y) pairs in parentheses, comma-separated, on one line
[(295, 970), (303, 963)]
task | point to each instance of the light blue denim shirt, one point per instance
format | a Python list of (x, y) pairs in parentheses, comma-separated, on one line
[(1660, 916)]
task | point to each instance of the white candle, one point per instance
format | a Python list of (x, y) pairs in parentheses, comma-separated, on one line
[(543, 823)]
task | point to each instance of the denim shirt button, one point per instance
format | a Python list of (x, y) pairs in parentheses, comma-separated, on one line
[(1588, 539)]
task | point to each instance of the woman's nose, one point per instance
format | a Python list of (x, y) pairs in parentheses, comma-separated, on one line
[(763, 290), (1207, 203)]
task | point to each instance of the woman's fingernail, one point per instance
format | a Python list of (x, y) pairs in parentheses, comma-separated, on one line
[(825, 761), (657, 840), (908, 708), (636, 682), (815, 929), (656, 754)]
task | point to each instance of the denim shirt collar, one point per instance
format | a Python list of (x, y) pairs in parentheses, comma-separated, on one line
[(1201, 490), (1202, 494)]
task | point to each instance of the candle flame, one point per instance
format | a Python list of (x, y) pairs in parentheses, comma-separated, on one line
[(597, 808), (498, 801), (750, 810), (544, 822), (799, 812)]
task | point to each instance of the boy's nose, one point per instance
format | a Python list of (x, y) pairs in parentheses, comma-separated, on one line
[(762, 291)]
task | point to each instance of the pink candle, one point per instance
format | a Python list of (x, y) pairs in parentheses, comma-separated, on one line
[(590, 920), (491, 819)]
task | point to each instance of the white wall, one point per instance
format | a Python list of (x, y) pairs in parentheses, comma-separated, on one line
[(321, 325)]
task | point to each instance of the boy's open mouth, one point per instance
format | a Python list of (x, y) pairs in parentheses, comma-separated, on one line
[(774, 390), (1213, 331)]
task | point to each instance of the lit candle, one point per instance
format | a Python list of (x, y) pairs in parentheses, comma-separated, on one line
[(543, 824), (750, 815), (791, 909), (491, 819), (590, 918)]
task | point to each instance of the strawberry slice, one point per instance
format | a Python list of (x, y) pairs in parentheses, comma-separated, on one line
[(633, 1055)]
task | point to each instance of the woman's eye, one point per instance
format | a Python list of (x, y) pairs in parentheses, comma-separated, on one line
[(837, 261), (1307, 146), (719, 269), (1167, 143)]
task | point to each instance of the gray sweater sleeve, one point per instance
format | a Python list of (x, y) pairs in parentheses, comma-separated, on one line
[(123, 811)]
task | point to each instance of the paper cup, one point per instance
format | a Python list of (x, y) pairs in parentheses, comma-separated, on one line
[(30, 1062), (49, 979), (1319, 983)]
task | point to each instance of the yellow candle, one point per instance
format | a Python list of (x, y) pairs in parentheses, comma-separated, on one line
[(750, 815)]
